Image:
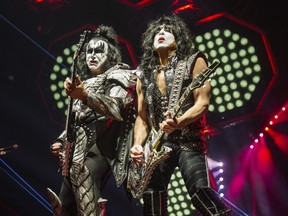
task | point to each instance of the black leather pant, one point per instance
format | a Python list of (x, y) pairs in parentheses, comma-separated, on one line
[(193, 167)]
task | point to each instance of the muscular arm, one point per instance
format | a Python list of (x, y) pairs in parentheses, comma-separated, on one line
[(141, 128), (141, 124), (201, 97)]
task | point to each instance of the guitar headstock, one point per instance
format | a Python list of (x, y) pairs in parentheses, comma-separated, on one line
[(80, 45), (199, 80)]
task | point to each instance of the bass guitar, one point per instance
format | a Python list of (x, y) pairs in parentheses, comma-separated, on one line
[(69, 142), (139, 175)]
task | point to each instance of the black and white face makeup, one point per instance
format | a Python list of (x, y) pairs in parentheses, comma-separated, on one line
[(96, 56), (164, 38)]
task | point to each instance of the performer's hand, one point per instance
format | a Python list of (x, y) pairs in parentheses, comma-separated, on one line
[(75, 90), (56, 149), (136, 153), (169, 125)]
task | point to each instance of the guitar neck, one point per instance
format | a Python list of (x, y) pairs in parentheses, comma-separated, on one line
[(70, 119)]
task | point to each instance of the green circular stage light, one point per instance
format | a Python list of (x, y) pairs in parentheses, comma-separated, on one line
[(243, 54)]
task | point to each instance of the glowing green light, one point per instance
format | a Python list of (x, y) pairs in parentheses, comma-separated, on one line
[(74, 48), (244, 41), (235, 37), (251, 49), (64, 72), (243, 83), (70, 60), (256, 79), (257, 68), (175, 184), (233, 56), (210, 44), (222, 50), (66, 51), (171, 192), (236, 94), (221, 79), (219, 41), (213, 53), (239, 74), (248, 71), (63, 93), (211, 107), (227, 68), (252, 87), (224, 59), (59, 59), (216, 91), (221, 109), (231, 45), (242, 53), (227, 33), (57, 96), (239, 103), (236, 65), (60, 84), (60, 104), (53, 76), (227, 97), (202, 47), (181, 198), (176, 206), (233, 85), (178, 191), (216, 32), (224, 88), (230, 106), (56, 68), (218, 100), (173, 200), (254, 58), (245, 62), (53, 87), (207, 36), (247, 95)]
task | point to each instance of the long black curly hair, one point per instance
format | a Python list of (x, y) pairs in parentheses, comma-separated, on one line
[(107, 34), (183, 38)]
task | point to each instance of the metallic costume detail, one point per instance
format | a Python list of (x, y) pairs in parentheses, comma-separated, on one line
[(55, 203), (84, 191), (208, 203), (155, 203), (121, 161)]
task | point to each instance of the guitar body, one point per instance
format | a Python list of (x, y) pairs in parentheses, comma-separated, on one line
[(139, 176)]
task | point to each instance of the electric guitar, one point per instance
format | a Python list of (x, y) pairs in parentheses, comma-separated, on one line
[(139, 175), (69, 143)]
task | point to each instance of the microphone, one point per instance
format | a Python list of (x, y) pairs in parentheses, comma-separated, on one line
[(8, 148)]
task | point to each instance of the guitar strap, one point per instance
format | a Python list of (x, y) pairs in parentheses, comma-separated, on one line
[(177, 84), (178, 79)]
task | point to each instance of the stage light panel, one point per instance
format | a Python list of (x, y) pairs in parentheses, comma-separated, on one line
[(246, 72)]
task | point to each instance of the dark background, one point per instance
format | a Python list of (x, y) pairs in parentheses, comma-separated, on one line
[(26, 118)]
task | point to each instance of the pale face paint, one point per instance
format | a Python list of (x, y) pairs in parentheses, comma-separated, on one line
[(96, 56), (164, 38)]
